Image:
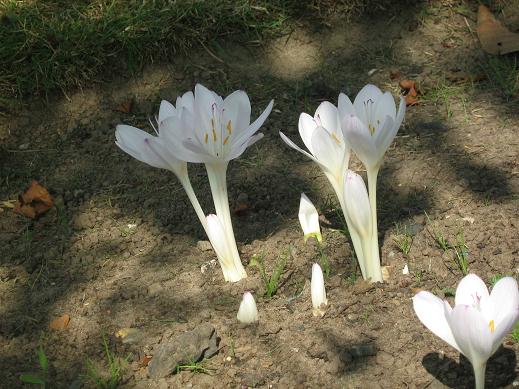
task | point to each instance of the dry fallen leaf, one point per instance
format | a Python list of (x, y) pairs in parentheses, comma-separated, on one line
[(60, 323), (34, 201), (144, 362), (125, 106), (494, 37), (241, 209), (411, 97)]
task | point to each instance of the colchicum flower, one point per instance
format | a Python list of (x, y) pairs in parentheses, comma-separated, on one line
[(319, 300), (309, 219), (327, 147), (478, 322), (204, 128), (370, 125), (248, 312)]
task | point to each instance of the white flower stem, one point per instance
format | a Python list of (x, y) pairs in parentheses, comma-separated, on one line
[(186, 184), (375, 272), (217, 180), (479, 375), (358, 247)]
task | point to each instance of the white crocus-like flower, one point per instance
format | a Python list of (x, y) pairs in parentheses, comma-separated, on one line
[(370, 124), (358, 208), (327, 147), (154, 151), (319, 300), (248, 312), (478, 322), (309, 219)]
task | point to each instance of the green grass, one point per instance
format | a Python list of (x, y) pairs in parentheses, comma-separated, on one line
[(515, 333), (270, 282), (404, 239), (195, 367), (503, 74), (42, 377)]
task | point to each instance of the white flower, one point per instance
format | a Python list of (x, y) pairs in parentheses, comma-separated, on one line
[(309, 219), (370, 123), (478, 322), (357, 203), (248, 312), (319, 300), (212, 129)]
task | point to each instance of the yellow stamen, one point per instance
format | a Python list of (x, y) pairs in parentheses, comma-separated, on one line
[(214, 135), (226, 140), (229, 127), (371, 129), (206, 137), (491, 325), (334, 137)]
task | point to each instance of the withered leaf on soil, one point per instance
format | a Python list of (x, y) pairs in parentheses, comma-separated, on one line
[(494, 37), (60, 323), (34, 201), (125, 106), (145, 361), (411, 95)]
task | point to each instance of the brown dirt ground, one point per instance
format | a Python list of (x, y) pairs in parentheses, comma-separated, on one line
[(455, 158)]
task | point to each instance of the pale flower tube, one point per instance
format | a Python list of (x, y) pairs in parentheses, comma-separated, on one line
[(318, 291), (309, 219), (248, 312), (479, 321)]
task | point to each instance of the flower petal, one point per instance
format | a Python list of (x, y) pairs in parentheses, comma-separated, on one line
[(344, 106), (236, 109), (327, 116), (309, 218), (166, 110), (328, 151), (503, 302), (357, 203), (307, 127), (296, 147), (383, 137), (471, 290), (364, 100), (247, 133), (174, 133), (361, 141), (431, 312), (471, 332), (248, 311), (187, 101), (236, 151), (384, 106), (318, 290)]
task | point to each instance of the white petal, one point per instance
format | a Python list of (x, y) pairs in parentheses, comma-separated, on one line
[(345, 107), (318, 291), (503, 303), (328, 151), (307, 126), (361, 141), (216, 235), (187, 101), (236, 109), (357, 203), (401, 113), (236, 151), (364, 102), (471, 332), (248, 132), (248, 312), (166, 110), (327, 116), (384, 136), (384, 106), (431, 312), (309, 218), (174, 133), (296, 147), (471, 289)]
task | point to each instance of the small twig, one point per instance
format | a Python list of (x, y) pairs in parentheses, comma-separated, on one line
[(211, 53)]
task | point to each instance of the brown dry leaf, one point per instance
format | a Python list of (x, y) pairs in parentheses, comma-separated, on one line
[(407, 84), (144, 362), (494, 37), (34, 201), (241, 209), (125, 106), (411, 97), (60, 323)]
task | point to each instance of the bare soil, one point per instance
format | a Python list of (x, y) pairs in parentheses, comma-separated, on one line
[(123, 248)]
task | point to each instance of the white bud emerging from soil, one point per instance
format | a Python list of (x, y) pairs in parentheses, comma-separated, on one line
[(405, 270), (319, 300), (248, 313)]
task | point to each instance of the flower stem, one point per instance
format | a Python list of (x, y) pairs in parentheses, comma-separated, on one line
[(186, 184), (479, 374), (374, 260), (217, 180)]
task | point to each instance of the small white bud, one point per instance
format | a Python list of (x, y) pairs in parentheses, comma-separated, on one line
[(319, 300), (405, 270), (309, 219), (248, 313)]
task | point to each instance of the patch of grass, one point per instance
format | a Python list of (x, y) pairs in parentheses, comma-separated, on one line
[(445, 93), (418, 276), (515, 333), (193, 366), (270, 282), (448, 292), (495, 278), (42, 376), (461, 253), (503, 74), (352, 278), (404, 239), (323, 259), (111, 377)]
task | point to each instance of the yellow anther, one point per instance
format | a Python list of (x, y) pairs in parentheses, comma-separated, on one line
[(206, 137), (491, 325), (334, 137), (226, 140), (214, 135), (229, 127)]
